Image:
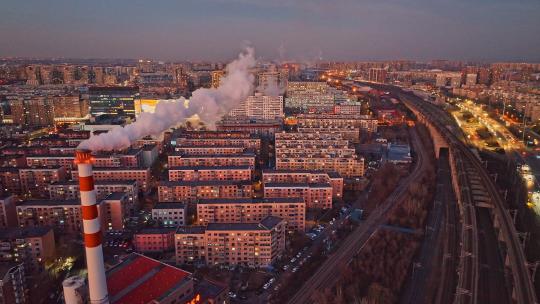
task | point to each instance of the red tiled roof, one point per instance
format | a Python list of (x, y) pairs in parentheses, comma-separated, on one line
[(129, 273), (154, 287)]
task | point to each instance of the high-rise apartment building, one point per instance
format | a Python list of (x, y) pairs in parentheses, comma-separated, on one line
[(260, 106), (306, 95), (248, 210)]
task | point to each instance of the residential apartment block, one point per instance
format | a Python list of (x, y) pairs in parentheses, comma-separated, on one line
[(249, 210), (140, 175), (318, 152), (305, 176), (315, 195), (170, 214), (70, 189), (182, 160), (190, 191), (204, 173), (229, 244)]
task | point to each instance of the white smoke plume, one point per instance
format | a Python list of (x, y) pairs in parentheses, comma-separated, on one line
[(273, 89), (208, 104)]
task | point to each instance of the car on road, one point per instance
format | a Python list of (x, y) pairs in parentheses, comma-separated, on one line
[(295, 269), (286, 267), (293, 260), (232, 295)]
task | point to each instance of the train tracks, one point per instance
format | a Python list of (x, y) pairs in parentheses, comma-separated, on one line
[(476, 189)]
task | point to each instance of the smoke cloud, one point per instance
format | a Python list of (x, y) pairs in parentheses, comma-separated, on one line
[(208, 104), (273, 89)]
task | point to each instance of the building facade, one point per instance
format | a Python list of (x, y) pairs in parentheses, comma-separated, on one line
[(230, 244), (204, 173), (190, 191), (248, 210)]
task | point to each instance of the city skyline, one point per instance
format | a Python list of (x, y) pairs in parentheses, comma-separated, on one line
[(299, 30)]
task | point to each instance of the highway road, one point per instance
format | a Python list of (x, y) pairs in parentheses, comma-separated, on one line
[(329, 272)]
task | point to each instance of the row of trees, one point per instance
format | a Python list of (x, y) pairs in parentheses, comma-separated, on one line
[(377, 273)]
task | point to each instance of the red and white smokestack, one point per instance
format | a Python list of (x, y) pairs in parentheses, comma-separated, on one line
[(97, 282)]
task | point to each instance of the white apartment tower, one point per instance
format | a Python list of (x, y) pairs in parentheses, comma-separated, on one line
[(260, 106)]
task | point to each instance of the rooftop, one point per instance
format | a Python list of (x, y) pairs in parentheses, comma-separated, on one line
[(98, 182), (21, 233), (209, 289), (169, 205), (191, 230), (213, 168), (58, 202), (156, 230), (120, 169), (139, 279), (330, 174), (115, 196), (282, 200), (267, 223), (235, 155), (203, 183), (297, 185)]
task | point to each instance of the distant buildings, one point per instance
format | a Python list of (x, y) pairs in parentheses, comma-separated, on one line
[(448, 79), (309, 95), (216, 78), (112, 100), (377, 75)]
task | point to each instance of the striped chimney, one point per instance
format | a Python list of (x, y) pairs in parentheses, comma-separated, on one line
[(97, 282)]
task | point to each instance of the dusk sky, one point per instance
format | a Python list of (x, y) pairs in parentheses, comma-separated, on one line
[(305, 30)]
